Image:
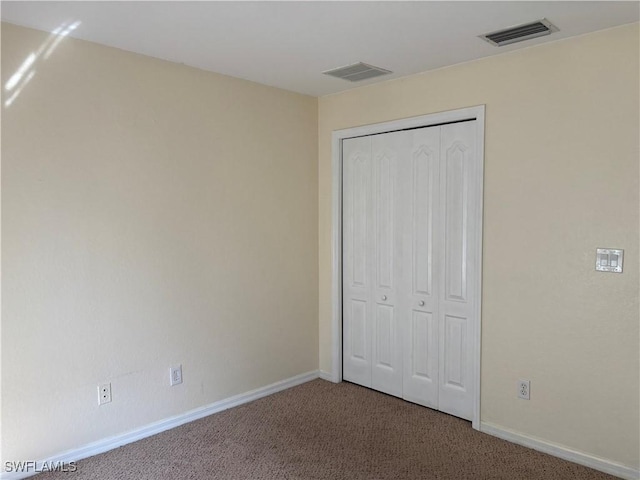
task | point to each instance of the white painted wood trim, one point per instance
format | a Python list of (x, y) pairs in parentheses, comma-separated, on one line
[(591, 461), (326, 376), (336, 256), (336, 229), (476, 334), (412, 122), (111, 443)]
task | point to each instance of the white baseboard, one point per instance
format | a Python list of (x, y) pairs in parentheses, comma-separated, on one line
[(326, 376), (110, 443), (560, 451)]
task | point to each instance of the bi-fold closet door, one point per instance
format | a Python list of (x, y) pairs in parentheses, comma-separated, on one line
[(409, 227)]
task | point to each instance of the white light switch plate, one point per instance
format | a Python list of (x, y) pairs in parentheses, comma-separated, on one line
[(175, 375), (609, 260)]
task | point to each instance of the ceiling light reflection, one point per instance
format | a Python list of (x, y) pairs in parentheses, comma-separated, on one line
[(63, 32), (26, 71), (17, 92), (16, 77)]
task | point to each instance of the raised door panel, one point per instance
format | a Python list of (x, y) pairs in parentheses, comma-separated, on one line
[(422, 331), (357, 329), (456, 221), (385, 222), (424, 170), (459, 197), (420, 187), (421, 360), (357, 254), (385, 336), (455, 352), (358, 197)]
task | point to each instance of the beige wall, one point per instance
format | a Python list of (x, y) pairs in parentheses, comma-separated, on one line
[(561, 178), (152, 214), (155, 214)]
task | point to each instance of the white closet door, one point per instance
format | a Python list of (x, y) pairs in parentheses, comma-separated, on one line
[(410, 230), (459, 197), (386, 354), (420, 265), (357, 286)]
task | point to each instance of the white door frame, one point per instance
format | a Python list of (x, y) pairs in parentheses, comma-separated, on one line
[(476, 113)]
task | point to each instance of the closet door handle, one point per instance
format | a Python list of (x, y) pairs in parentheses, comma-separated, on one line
[(421, 303), (384, 297)]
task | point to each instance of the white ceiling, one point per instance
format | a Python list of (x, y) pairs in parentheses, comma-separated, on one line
[(289, 44)]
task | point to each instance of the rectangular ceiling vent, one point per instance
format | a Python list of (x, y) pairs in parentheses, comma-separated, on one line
[(520, 33), (357, 72)]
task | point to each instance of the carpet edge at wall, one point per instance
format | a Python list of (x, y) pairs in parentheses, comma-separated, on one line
[(560, 451), (116, 441)]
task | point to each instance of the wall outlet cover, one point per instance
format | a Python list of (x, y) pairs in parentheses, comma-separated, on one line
[(104, 393), (524, 389)]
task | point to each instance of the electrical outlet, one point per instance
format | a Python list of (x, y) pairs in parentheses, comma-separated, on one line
[(175, 375), (524, 389), (104, 393)]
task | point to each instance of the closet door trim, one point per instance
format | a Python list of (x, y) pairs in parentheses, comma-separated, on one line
[(476, 113)]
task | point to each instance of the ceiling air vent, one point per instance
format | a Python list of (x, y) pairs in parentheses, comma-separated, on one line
[(357, 72), (520, 33)]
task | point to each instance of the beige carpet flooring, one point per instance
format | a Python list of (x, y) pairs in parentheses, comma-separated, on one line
[(321, 430)]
